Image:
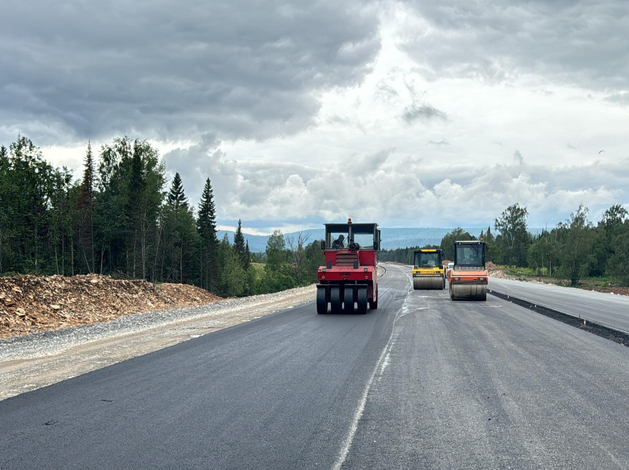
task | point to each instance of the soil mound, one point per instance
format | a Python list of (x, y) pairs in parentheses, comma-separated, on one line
[(30, 304), (495, 271)]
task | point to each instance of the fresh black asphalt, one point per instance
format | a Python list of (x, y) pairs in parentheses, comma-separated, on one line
[(603, 308), (422, 382)]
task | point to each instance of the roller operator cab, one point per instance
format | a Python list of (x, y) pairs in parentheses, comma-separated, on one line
[(468, 278), (349, 280), (428, 271)]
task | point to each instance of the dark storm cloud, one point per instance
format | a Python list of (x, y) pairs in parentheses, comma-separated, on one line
[(577, 42), (175, 70)]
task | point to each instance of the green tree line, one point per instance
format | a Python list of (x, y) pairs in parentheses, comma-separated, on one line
[(121, 220), (574, 249), (400, 255)]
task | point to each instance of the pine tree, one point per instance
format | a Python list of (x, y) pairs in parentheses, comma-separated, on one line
[(206, 228)]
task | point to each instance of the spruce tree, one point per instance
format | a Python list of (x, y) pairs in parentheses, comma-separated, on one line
[(247, 256), (4, 216), (489, 237), (239, 247), (179, 234), (206, 228), (85, 206), (176, 196), (135, 212)]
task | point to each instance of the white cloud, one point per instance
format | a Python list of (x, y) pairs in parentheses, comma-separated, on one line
[(394, 190)]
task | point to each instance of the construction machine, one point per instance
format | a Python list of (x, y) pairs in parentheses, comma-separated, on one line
[(468, 278), (349, 280), (428, 271)]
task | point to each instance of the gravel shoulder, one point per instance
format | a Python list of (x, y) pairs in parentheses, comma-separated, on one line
[(37, 360)]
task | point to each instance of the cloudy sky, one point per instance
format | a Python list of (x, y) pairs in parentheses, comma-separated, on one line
[(407, 113)]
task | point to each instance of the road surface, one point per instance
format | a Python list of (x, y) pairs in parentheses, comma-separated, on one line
[(423, 382), (606, 309)]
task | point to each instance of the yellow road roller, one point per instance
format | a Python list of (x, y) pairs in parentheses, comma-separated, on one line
[(428, 272)]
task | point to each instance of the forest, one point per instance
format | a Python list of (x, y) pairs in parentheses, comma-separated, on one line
[(121, 220)]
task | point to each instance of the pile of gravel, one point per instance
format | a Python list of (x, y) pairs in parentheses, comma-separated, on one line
[(49, 343)]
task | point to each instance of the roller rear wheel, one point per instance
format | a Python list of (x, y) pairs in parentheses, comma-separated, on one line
[(362, 301), (322, 303), (335, 299), (348, 300)]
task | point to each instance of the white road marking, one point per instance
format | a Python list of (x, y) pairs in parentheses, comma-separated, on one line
[(382, 363)]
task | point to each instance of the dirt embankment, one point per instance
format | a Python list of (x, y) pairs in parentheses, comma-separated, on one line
[(495, 271), (31, 304)]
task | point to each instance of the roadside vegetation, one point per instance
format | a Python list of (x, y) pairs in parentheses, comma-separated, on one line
[(577, 251), (121, 219)]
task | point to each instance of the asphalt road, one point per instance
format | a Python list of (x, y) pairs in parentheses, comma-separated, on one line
[(423, 382), (606, 309)]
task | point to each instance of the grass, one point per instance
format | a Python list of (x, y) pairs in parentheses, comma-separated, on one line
[(516, 271)]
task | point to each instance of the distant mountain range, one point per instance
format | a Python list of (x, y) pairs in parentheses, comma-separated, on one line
[(391, 237)]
